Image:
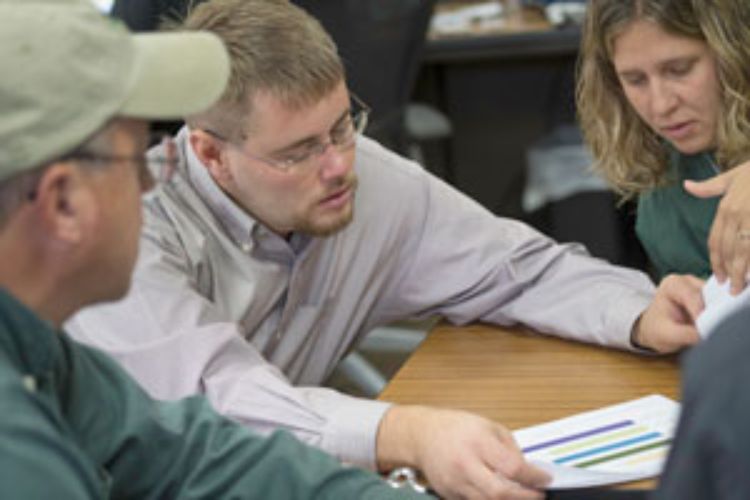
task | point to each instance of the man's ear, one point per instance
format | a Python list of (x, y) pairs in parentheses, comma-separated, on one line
[(64, 203), (209, 151)]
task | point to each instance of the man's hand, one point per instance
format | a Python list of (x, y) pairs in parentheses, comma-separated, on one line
[(729, 240), (668, 324), (462, 455)]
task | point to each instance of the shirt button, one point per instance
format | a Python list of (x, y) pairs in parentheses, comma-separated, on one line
[(29, 382), (246, 247)]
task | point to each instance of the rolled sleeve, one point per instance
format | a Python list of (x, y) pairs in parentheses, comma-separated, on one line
[(620, 317), (352, 427)]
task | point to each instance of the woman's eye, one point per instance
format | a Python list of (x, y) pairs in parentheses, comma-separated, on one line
[(635, 80), (680, 69)]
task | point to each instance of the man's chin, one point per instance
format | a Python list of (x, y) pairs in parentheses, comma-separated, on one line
[(328, 226)]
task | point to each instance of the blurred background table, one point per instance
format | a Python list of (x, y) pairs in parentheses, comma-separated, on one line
[(503, 85), (507, 85)]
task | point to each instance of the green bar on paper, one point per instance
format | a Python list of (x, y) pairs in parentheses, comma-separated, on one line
[(633, 451)]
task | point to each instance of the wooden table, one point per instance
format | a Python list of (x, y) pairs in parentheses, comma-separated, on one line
[(520, 378)]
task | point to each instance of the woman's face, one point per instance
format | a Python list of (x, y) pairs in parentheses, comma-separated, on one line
[(671, 82)]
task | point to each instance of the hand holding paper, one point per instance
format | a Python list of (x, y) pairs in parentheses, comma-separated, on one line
[(618, 443), (718, 304)]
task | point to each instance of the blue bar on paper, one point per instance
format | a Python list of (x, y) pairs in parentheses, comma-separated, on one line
[(573, 437), (609, 447)]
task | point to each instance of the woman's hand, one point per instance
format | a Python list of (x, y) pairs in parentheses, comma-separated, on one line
[(729, 240)]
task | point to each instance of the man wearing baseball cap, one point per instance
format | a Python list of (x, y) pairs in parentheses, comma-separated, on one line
[(75, 96)]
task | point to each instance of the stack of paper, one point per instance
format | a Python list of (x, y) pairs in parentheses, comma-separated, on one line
[(619, 443), (718, 303), (461, 20)]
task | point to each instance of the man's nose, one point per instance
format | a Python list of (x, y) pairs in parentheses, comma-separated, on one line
[(334, 162)]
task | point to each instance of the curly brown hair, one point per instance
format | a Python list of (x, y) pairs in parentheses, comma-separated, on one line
[(627, 152)]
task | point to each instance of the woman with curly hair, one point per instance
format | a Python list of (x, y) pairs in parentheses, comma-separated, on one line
[(664, 102)]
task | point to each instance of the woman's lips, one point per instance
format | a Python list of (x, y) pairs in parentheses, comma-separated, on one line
[(678, 131)]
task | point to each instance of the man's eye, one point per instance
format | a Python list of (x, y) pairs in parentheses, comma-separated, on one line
[(294, 156), (342, 132), (338, 135)]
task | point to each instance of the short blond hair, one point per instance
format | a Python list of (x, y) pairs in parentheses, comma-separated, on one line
[(274, 47), (630, 155)]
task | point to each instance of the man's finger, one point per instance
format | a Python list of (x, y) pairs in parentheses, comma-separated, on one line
[(685, 292), (532, 476), (510, 463), (685, 335), (494, 485)]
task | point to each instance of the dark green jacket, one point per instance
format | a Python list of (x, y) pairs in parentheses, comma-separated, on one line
[(74, 425), (674, 225)]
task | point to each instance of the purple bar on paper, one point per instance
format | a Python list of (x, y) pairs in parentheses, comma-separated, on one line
[(573, 437)]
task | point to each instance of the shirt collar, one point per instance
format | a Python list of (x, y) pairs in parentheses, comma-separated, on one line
[(25, 338), (240, 226)]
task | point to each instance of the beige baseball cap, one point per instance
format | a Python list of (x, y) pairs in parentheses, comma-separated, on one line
[(67, 70)]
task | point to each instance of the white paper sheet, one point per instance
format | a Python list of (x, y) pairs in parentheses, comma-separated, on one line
[(460, 20), (619, 443), (718, 304)]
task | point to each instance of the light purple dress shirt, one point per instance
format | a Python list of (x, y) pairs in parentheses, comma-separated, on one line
[(222, 306)]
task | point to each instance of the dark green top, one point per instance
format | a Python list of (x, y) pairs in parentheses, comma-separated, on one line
[(674, 225), (74, 425)]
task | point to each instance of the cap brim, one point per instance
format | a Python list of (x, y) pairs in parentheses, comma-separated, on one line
[(175, 75)]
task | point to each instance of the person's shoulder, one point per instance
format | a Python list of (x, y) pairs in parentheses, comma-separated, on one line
[(177, 206), (37, 442), (176, 219), (374, 159)]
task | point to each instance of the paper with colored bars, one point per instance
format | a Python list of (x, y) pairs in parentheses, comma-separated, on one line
[(619, 443)]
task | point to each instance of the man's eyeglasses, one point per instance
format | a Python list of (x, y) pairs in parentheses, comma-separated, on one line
[(342, 136), (153, 167)]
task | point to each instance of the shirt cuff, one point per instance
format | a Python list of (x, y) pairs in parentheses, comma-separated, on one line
[(351, 433), (621, 317)]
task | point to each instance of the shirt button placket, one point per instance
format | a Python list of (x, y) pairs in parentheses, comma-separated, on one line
[(30, 383)]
